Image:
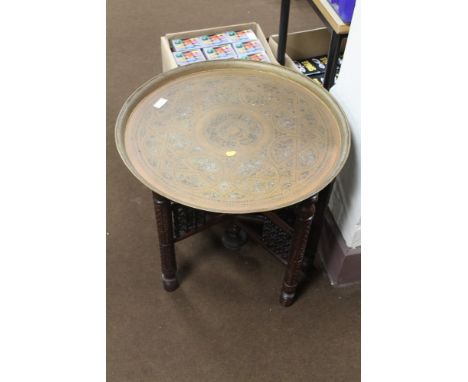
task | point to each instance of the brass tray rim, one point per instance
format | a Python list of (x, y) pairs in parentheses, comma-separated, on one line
[(152, 84)]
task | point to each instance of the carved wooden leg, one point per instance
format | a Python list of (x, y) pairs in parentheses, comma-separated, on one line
[(304, 214), (162, 208), (317, 225)]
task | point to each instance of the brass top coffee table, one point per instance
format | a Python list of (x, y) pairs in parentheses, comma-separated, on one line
[(231, 137)]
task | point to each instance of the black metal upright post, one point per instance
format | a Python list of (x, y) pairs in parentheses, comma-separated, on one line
[(333, 54), (283, 30)]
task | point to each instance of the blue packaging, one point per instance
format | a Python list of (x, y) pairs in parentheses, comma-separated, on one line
[(344, 9)]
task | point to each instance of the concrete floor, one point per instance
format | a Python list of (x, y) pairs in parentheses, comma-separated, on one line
[(224, 323)]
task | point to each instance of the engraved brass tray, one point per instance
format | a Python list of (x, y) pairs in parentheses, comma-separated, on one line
[(233, 136)]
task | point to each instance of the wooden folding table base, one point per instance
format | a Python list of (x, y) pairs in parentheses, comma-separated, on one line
[(284, 233)]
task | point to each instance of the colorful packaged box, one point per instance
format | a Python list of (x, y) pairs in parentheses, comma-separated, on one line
[(324, 61), (308, 67), (186, 44), (260, 56), (241, 36), (320, 62), (189, 57), (316, 65), (221, 52), (213, 40), (248, 47)]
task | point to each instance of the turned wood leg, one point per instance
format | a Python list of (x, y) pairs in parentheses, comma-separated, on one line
[(317, 225), (162, 208), (304, 214)]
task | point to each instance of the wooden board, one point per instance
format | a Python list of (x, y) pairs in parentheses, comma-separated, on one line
[(331, 16), (233, 136)]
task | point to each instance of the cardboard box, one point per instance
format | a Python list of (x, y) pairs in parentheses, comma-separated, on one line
[(304, 44), (168, 61)]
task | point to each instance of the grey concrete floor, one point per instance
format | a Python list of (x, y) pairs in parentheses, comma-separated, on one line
[(224, 323)]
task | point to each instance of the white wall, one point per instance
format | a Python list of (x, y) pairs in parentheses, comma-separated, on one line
[(345, 202)]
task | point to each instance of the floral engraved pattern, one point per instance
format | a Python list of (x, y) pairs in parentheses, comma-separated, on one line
[(232, 130), (233, 140)]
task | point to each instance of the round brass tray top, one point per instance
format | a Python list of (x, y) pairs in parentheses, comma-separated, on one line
[(233, 136)]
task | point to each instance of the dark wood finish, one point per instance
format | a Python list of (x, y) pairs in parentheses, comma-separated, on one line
[(187, 221), (304, 215), (265, 228), (317, 225), (280, 222), (272, 230), (162, 209), (216, 220)]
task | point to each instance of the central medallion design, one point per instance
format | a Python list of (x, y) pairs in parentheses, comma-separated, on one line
[(231, 129), (233, 141)]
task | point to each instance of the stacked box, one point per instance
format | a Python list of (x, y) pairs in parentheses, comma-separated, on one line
[(241, 36), (189, 57), (241, 44), (313, 43), (213, 40), (260, 57), (314, 67), (221, 52), (307, 67), (180, 45), (248, 47)]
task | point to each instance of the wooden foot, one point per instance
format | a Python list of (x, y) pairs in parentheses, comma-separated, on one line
[(162, 209), (286, 299), (234, 237), (170, 285), (304, 214)]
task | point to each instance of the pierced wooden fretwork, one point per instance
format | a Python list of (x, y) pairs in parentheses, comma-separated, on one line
[(188, 221)]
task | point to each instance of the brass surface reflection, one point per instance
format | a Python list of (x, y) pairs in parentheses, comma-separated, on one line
[(233, 136)]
